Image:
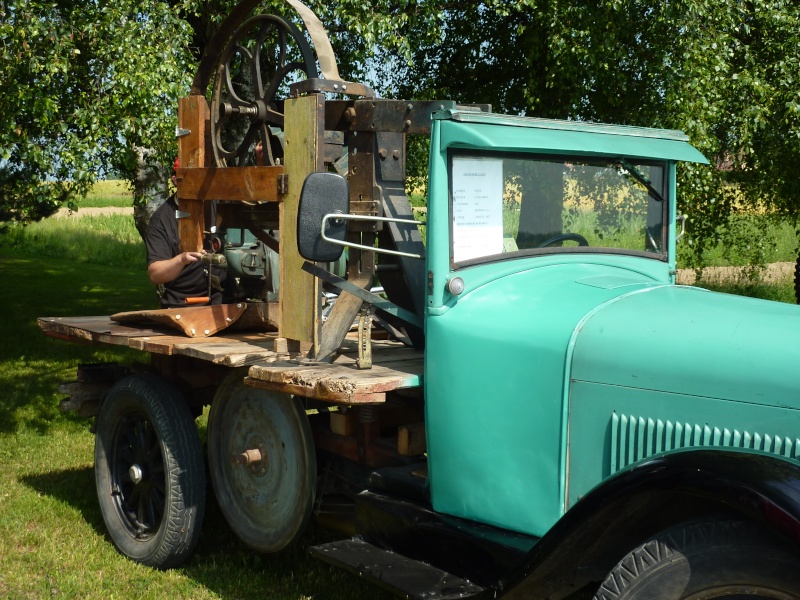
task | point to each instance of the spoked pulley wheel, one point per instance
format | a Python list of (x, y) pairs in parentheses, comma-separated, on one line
[(262, 462), (265, 55)]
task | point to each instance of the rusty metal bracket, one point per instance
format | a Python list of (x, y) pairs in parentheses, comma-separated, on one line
[(315, 85)]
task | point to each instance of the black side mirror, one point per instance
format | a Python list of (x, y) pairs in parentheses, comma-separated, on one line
[(322, 194)]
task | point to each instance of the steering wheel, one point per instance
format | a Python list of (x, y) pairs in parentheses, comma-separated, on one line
[(563, 237)]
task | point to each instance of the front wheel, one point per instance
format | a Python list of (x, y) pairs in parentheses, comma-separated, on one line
[(797, 280), (149, 471), (720, 558)]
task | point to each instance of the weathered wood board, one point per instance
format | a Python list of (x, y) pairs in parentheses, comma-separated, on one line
[(233, 349), (245, 184), (341, 382)]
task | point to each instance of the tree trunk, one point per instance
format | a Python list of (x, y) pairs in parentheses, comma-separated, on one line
[(150, 188)]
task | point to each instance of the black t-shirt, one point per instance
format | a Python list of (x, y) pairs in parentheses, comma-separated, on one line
[(163, 242)]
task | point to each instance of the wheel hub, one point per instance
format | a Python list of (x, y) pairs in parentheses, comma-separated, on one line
[(254, 458), (136, 474)]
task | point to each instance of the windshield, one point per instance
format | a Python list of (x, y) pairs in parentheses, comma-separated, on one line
[(510, 205)]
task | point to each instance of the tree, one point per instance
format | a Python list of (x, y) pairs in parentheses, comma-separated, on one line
[(85, 82), (725, 72), (90, 87), (94, 82)]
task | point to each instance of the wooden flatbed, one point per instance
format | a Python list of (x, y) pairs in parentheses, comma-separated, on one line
[(340, 382)]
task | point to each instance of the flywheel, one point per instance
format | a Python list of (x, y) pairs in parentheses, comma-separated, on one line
[(265, 55)]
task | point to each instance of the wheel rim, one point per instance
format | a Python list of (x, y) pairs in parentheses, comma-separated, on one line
[(262, 465), (741, 592), (137, 475)]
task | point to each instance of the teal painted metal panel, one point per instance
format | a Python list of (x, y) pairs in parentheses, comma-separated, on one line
[(494, 384), (690, 341), (677, 367), (612, 427), (524, 134)]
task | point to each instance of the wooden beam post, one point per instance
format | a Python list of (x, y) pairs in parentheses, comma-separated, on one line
[(300, 293), (194, 116)]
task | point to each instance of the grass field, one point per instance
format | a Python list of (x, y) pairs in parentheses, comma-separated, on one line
[(52, 538), (109, 193)]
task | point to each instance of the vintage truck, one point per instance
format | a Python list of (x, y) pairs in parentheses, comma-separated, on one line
[(530, 408)]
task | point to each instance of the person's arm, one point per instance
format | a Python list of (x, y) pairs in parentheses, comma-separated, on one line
[(164, 271)]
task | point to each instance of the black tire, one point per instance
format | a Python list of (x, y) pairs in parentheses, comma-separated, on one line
[(797, 280), (267, 502), (149, 471), (720, 558)]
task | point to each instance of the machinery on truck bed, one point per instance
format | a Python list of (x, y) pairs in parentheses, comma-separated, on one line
[(530, 408)]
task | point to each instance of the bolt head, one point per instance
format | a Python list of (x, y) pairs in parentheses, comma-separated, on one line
[(136, 474)]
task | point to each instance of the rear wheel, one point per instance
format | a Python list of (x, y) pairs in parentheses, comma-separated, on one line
[(149, 471), (262, 462), (703, 560)]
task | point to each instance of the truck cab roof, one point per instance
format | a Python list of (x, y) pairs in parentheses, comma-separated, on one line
[(473, 129)]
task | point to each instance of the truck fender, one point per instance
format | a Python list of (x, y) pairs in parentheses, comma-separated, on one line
[(633, 505)]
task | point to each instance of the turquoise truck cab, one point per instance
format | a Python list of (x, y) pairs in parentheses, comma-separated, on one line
[(567, 377)]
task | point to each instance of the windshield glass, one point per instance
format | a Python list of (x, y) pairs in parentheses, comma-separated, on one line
[(513, 205)]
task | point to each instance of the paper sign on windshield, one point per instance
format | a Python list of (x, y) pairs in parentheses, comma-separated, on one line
[(477, 208)]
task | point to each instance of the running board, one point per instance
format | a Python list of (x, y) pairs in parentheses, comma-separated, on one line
[(398, 574)]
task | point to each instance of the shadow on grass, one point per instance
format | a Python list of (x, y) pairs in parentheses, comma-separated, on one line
[(221, 562), (31, 364), (72, 486)]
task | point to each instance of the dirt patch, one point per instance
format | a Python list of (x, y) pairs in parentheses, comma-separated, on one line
[(774, 272), (93, 211)]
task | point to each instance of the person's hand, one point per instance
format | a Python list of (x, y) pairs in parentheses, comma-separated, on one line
[(188, 258), (259, 154)]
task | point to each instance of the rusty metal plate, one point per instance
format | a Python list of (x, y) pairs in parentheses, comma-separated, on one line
[(195, 321)]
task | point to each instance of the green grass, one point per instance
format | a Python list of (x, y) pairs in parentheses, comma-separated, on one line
[(53, 542), (108, 193), (110, 240)]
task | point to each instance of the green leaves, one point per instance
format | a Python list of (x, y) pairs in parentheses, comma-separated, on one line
[(92, 80), (88, 83)]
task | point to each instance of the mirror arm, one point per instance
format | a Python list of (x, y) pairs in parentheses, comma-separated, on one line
[(344, 217)]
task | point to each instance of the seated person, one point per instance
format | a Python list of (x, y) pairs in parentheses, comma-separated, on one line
[(179, 275)]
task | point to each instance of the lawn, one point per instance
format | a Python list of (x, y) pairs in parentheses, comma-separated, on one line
[(53, 542)]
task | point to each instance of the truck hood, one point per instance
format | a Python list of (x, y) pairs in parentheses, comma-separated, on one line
[(694, 342)]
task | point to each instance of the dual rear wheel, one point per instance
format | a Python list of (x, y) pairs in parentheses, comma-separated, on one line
[(150, 475)]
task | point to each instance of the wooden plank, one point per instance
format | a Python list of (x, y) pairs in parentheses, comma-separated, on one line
[(192, 225), (193, 115), (338, 382), (325, 396), (93, 329), (411, 439), (299, 291), (193, 346), (244, 184), (230, 354)]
